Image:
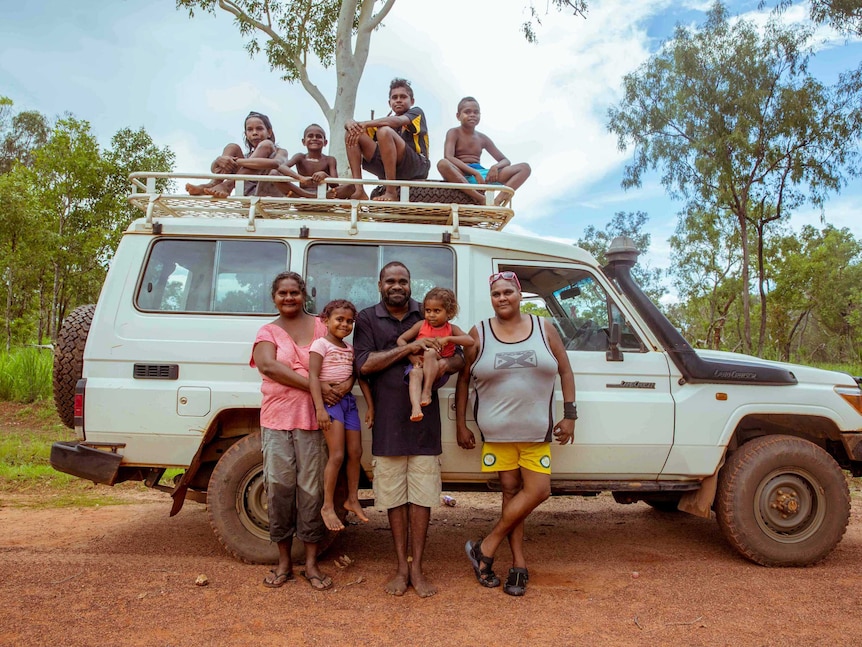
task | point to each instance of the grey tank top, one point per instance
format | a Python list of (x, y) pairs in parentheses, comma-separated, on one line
[(514, 385)]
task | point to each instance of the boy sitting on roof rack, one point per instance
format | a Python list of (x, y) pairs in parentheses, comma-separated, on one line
[(394, 147), (463, 150)]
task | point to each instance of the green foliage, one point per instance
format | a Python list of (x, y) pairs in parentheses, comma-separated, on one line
[(25, 375), (577, 7), (843, 15), (63, 208), (628, 224), (737, 127), (532, 308)]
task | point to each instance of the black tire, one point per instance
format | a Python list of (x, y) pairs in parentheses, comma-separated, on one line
[(237, 506), (433, 194), (782, 501), (69, 360)]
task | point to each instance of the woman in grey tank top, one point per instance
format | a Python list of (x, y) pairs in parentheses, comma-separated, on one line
[(513, 367)]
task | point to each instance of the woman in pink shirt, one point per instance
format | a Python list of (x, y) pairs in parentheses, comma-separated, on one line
[(293, 449)]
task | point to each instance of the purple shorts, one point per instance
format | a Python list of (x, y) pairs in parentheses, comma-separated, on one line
[(345, 412), (440, 380)]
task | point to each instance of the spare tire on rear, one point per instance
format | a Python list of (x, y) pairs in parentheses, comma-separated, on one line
[(434, 194), (69, 360)]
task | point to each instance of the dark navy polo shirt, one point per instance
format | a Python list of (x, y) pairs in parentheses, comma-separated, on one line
[(393, 433)]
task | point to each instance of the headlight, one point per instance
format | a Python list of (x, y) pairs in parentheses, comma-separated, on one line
[(852, 395)]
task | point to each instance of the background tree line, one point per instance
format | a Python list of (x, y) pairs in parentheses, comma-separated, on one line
[(727, 114), (63, 208)]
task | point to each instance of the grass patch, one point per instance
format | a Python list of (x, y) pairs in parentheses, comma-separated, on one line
[(26, 435), (25, 375)]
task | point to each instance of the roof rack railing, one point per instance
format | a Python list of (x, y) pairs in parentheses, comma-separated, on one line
[(420, 202)]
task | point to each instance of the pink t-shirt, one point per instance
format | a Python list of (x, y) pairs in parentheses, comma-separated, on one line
[(286, 407), (337, 361)]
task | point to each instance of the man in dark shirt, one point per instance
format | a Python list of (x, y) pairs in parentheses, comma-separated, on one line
[(406, 463), (394, 147)]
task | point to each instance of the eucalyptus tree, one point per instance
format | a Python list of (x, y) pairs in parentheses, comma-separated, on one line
[(294, 33), (732, 119)]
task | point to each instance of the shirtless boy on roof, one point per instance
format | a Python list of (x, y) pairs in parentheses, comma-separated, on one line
[(313, 167), (463, 150)]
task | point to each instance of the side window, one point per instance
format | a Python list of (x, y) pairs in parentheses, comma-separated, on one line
[(351, 272), (577, 304), (228, 276)]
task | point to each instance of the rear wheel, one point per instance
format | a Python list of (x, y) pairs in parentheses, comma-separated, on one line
[(782, 501), (237, 506), (69, 360)]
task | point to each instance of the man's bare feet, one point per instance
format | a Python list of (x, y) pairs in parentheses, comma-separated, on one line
[(331, 519), (389, 195), (196, 189), (220, 190), (359, 194), (355, 508), (398, 584), (423, 588)]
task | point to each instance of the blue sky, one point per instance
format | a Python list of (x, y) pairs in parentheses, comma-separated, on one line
[(189, 82)]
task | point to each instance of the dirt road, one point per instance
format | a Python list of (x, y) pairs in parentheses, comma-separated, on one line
[(601, 574)]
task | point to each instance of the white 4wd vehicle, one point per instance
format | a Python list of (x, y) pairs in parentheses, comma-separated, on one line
[(156, 375)]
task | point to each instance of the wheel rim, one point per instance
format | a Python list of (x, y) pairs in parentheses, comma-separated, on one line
[(251, 504), (790, 505)]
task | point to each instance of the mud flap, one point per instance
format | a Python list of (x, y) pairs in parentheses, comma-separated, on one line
[(699, 502)]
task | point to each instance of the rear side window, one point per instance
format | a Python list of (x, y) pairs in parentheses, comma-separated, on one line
[(351, 271), (211, 276)]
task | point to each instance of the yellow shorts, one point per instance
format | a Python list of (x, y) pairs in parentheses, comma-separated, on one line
[(502, 457)]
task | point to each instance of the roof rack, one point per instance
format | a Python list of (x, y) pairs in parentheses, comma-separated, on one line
[(420, 202)]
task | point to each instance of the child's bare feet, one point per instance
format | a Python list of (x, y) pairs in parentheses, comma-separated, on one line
[(196, 189), (220, 190), (341, 192), (389, 195), (398, 584), (331, 519), (416, 416), (426, 400), (423, 588), (355, 508)]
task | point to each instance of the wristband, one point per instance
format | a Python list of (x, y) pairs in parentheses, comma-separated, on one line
[(570, 411)]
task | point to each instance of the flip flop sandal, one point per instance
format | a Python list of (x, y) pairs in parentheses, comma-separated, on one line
[(323, 583), (482, 566), (277, 580), (516, 582)]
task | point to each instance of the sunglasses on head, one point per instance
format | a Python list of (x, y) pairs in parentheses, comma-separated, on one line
[(506, 276)]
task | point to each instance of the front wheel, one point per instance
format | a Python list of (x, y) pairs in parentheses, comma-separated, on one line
[(782, 501), (236, 503), (237, 506)]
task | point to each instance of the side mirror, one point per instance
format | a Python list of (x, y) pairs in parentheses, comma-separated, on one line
[(613, 354)]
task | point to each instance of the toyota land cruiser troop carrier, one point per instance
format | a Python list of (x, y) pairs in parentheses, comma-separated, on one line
[(156, 375)]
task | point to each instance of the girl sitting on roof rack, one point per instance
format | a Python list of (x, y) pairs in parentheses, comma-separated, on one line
[(264, 155)]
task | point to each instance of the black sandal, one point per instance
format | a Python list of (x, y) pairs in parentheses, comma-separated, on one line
[(516, 583), (482, 566)]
